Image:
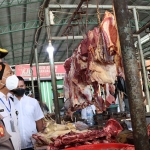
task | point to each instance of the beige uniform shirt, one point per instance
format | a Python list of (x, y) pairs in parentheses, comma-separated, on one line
[(5, 143)]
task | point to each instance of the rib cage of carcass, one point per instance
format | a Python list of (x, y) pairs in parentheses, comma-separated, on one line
[(94, 64)]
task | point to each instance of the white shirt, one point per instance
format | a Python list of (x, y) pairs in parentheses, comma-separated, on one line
[(84, 113), (9, 114), (29, 112)]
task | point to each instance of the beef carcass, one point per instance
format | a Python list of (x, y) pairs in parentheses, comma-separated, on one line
[(92, 61), (72, 139), (109, 98), (112, 128), (109, 30), (67, 65)]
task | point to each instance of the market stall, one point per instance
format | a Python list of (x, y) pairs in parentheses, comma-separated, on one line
[(90, 78)]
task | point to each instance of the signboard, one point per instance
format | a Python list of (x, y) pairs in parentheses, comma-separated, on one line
[(24, 71)]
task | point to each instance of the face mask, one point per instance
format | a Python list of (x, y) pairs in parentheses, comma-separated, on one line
[(12, 82), (19, 92)]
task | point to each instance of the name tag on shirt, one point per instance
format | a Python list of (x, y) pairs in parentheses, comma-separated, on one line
[(12, 126)]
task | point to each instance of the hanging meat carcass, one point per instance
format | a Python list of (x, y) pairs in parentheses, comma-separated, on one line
[(109, 30), (92, 62)]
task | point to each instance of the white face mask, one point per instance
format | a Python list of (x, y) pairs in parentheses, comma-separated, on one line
[(12, 82)]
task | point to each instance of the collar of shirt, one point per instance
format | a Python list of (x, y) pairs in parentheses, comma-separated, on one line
[(16, 99), (2, 95)]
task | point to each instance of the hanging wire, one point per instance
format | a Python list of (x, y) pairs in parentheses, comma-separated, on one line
[(98, 13), (99, 23), (80, 30), (36, 42), (73, 37), (41, 13), (86, 24)]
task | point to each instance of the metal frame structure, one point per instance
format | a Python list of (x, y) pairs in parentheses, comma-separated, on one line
[(138, 37), (11, 3)]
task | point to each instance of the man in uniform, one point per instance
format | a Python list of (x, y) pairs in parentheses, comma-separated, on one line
[(5, 143), (9, 133)]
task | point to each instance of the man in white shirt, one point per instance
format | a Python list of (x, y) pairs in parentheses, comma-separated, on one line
[(29, 115), (8, 116)]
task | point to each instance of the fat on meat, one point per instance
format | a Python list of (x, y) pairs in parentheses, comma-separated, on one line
[(103, 73), (108, 27)]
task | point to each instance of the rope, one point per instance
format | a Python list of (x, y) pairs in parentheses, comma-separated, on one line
[(98, 13), (67, 46)]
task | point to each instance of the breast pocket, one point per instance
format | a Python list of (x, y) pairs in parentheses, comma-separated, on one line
[(28, 110)]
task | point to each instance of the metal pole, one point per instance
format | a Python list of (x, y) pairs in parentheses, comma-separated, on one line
[(67, 38), (52, 69), (32, 82), (74, 6), (142, 60), (134, 89), (38, 78)]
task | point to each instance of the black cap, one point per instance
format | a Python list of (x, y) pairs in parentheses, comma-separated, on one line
[(3, 53)]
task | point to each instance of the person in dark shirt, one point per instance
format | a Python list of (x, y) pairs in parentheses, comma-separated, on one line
[(121, 86), (45, 107)]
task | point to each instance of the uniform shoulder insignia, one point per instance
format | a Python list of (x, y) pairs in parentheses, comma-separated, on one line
[(1, 131)]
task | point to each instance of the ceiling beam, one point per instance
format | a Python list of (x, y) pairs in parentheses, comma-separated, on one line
[(44, 39), (19, 46), (23, 34), (5, 3), (146, 54), (18, 57), (10, 28), (33, 24), (15, 27)]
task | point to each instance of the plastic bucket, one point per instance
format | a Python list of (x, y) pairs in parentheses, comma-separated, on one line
[(102, 146)]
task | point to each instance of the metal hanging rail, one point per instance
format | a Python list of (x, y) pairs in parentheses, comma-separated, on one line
[(73, 6)]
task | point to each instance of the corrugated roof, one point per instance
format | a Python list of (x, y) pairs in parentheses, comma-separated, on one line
[(19, 22)]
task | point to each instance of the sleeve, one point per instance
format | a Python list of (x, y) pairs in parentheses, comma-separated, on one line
[(38, 114)]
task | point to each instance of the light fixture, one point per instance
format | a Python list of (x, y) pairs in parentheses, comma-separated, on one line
[(50, 49)]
